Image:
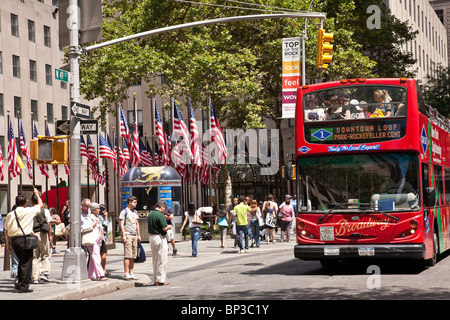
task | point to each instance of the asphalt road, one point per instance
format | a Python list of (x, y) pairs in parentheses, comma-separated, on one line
[(278, 276)]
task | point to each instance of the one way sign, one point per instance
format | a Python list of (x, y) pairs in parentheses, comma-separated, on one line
[(80, 110), (87, 127)]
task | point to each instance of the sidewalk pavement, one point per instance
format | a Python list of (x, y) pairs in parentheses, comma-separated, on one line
[(55, 290)]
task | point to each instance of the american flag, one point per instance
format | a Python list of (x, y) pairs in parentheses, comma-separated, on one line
[(180, 129), (195, 139), (126, 152), (124, 129), (160, 134), (135, 155), (83, 149), (217, 136), (25, 151), (1, 165), (105, 150), (92, 157), (158, 158), (13, 165), (42, 167), (122, 160), (146, 158), (113, 149)]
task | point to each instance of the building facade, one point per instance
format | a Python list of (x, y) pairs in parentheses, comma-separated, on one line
[(29, 92), (429, 48)]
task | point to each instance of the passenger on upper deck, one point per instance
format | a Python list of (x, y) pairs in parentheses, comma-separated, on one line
[(313, 110), (382, 107), (338, 111)]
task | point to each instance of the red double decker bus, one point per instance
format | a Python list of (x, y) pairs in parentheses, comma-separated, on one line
[(373, 172)]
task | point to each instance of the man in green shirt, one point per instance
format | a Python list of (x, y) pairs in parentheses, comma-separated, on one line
[(157, 228), (240, 211)]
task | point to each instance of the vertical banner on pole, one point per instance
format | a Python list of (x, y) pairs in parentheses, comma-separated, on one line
[(291, 75)]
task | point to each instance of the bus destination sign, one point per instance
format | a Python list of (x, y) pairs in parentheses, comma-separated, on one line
[(373, 131)]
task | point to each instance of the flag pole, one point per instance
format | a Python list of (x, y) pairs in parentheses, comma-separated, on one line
[(7, 256), (46, 179), (19, 152), (32, 128)]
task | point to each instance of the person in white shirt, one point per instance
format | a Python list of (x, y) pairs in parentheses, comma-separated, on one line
[(15, 231)]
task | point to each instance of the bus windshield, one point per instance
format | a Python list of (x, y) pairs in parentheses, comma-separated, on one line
[(355, 102), (357, 183)]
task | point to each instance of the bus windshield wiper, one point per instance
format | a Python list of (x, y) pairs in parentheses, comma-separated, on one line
[(334, 206), (382, 212)]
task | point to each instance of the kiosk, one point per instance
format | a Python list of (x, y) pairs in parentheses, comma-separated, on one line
[(149, 185)]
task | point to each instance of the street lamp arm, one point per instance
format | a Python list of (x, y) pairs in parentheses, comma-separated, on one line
[(311, 15)]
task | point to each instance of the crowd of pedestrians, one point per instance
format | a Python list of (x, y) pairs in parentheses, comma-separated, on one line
[(251, 221), (248, 221)]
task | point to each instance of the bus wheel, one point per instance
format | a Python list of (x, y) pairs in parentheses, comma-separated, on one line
[(329, 263), (433, 260)]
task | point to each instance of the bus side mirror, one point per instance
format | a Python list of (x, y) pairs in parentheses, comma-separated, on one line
[(430, 197)]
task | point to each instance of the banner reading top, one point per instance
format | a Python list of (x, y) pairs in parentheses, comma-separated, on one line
[(291, 75)]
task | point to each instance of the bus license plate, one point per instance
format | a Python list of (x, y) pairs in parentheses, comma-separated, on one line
[(331, 251), (366, 251)]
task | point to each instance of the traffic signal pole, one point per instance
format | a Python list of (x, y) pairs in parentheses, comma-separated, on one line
[(74, 265)]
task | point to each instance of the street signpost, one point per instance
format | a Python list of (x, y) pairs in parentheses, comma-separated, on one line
[(62, 127), (80, 110), (87, 127), (62, 75)]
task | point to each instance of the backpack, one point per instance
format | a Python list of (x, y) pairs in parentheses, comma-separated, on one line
[(140, 254)]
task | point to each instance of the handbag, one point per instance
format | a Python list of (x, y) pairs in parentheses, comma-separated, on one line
[(261, 222), (197, 219), (270, 219), (31, 240), (88, 238)]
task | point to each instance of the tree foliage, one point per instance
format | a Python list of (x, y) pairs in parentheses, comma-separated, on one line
[(436, 91), (237, 65)]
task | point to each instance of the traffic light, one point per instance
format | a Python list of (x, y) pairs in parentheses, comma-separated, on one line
[(324, 49), (49, 151)]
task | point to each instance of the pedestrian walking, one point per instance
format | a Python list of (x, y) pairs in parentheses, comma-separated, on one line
[(287, 213), (93, 224), (193, 216), (271, 221), (157, 229), (55, 220), (103, 217), (222, 223), (129, 227), (254, 223), (18, 225), (41, 265), (242, 224)]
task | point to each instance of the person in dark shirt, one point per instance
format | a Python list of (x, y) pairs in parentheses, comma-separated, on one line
[(157, 229)]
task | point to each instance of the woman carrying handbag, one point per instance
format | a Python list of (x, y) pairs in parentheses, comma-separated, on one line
[(92, 236), (195, 220)]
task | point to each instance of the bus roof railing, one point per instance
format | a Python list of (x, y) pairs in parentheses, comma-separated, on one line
[(437, 118)]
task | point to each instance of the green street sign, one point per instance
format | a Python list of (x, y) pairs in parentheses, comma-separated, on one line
[(62, 75)]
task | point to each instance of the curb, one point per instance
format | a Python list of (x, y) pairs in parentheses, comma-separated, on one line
[(96, 289)]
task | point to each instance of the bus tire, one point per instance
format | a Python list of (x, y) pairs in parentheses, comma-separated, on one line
[(433, 260)]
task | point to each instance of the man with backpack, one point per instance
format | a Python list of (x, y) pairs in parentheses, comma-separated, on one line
[(129, 227)]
